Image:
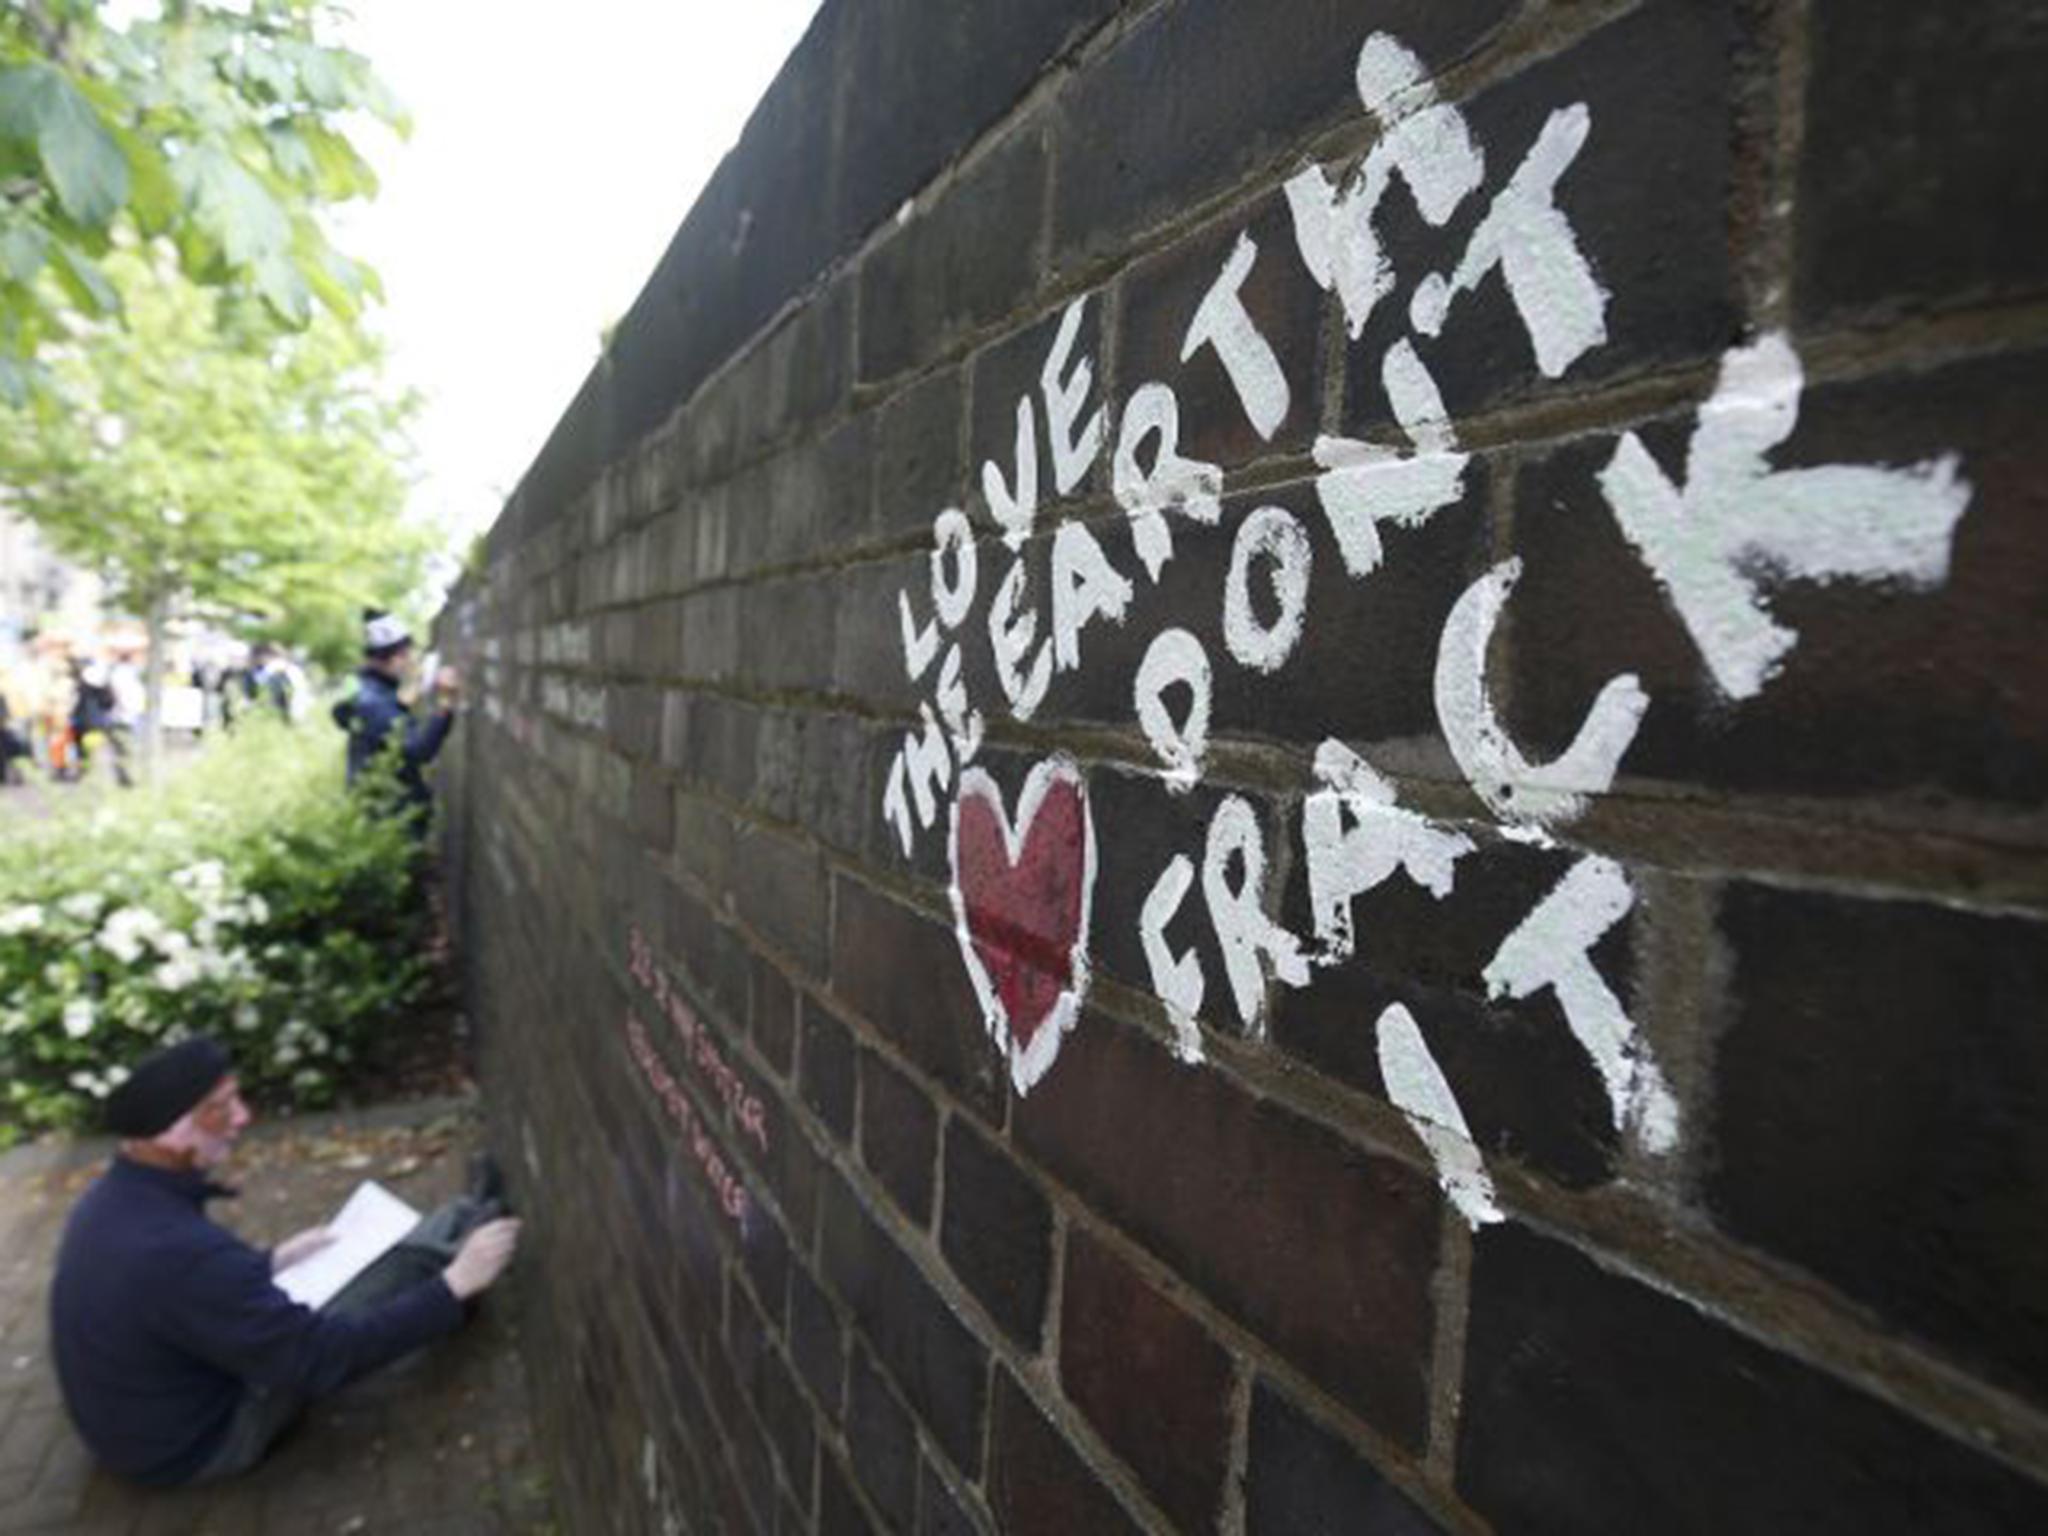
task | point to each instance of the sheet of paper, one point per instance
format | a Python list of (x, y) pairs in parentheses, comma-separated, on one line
[(366, 1227)]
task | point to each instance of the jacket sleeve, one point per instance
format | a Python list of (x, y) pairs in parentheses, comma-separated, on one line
[(423, 738), (226, 1310)]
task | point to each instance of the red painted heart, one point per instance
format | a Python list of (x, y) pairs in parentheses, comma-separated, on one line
[(1021, 897)]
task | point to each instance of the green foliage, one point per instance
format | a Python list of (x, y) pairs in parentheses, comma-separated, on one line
[(254, 476), (250, 897), (221, 128)]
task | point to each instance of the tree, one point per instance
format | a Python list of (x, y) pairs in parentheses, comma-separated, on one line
[(253, 475), (218, 127)]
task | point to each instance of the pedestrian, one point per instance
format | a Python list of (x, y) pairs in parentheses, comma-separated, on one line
[(268, 683), (376, 718), (180, 1359), (14, 745), (96, 720)]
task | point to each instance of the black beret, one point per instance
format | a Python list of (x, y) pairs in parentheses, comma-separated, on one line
[(164, 1085)]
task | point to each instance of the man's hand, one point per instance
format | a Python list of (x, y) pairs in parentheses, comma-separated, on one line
[(482, 1257), (300, 1245), (447, 687)]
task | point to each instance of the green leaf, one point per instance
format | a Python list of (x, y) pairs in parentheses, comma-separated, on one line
[(234, 208), (23, 249), (81, 157), (83, 281), (153, 197)]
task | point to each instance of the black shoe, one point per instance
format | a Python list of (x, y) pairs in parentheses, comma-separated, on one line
[(487, 1182)]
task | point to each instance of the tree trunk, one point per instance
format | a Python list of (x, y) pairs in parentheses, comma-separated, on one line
[(158, 620)]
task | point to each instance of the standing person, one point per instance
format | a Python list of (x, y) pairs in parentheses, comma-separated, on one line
[(268, 683), (96, 722), (180, 1359), (13, 742), (376, 717)]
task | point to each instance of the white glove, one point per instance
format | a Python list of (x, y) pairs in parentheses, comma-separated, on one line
[(482, 1257), (300, 1245)]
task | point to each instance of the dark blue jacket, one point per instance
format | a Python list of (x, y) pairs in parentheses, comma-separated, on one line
[(373, 714), (158, 1318)]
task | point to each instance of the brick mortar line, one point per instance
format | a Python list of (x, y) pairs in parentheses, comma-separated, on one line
[(1786, 1312), (1857, 351), (1690, 815), (1716, 1259)]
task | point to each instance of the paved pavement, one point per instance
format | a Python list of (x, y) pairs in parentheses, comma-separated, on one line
[(438, 1445)]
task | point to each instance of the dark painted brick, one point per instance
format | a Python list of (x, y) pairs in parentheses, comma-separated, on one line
[(1160, 298), (919, 466), (941, 1368), (787, 633), (1300, 1477), (1220, 99), (1889, 689), (1037, 1485), (1527, 1088), (882, 1443), (1007, 371), (827, 1069), (939, 1512), (901, 970), (771, 1015), (1918, 180), (958, 264), (1365, 666), (817, 1342), (1323, 1249), (927, 84), (1656, 84), (1882, 1113), (899, 1136), (835, 801), (766, 1378), (780, 889), (1152, 1382), (867, 661), (996, 1232), (1594, 1404), (839, 1512), (653, 808)]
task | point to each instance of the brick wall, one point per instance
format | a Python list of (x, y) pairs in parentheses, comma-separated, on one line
[(1280, 767)]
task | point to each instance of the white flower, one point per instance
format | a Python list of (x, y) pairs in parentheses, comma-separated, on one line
[(258, 909), (83, 906), (206, 877), (24, 919), (287, 1054), (246, 1016), (128, 930), (177, 973), (78, 1019), (13, 1021)]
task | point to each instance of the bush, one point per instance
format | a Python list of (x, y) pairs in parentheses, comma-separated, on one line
[(249, 897)]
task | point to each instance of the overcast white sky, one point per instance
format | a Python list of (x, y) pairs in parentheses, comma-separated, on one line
[(555, 149)]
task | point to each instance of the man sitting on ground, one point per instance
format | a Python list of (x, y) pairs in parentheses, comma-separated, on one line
[(180, 1359)]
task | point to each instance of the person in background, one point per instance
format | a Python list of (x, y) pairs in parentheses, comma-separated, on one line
[(96, 721), (14, 745), (376, 718), (267, 682), (180, 1359)]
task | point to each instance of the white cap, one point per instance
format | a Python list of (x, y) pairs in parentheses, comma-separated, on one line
[(383, 632)]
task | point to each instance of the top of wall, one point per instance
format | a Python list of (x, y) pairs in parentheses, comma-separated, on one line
[(878, 97)]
